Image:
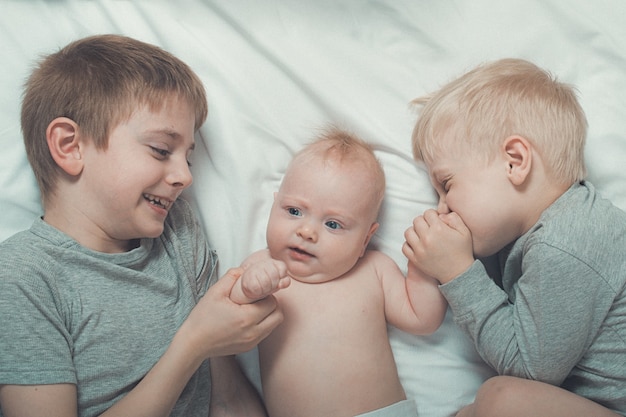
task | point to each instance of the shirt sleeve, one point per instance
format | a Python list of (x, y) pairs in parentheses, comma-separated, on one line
[(541, 326), (36, 347), (198, 259)]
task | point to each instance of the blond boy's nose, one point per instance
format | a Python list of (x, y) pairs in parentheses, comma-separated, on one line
[(442, 206)]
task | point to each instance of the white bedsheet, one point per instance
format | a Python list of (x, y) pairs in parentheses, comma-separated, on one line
[(277, 70)]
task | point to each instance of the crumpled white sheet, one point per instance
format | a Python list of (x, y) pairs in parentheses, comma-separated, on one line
[(277, 70)]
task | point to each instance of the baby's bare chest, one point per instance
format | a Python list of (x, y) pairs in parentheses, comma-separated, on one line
[(340, 310)]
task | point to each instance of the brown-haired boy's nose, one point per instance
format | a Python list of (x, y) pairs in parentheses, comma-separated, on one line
[(179, 174)]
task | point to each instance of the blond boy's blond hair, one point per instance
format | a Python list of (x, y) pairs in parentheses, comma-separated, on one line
[(499, 99)]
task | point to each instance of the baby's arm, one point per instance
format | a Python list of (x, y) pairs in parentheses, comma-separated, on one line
[(427, 301), (413, 304), (261, 277)]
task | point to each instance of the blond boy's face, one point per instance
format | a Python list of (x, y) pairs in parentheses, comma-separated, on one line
[(130, 187), (322, 220), (481, 194)]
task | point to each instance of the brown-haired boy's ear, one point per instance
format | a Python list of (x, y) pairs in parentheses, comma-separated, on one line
[(64, 143), (518, 154)]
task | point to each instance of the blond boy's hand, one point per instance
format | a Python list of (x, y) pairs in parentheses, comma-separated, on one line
[(440, 245)]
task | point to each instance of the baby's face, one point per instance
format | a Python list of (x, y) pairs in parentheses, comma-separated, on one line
[(322, 219)]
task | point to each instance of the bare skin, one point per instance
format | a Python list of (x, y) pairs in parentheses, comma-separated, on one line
[(331, 355)]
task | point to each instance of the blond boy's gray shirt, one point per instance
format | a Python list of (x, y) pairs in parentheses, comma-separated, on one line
[(100, 321), (558, 312)]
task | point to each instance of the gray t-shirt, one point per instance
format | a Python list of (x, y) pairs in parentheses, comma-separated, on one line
[(98, 320), (556, 309)]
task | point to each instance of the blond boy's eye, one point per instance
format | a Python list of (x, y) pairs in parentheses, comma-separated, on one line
[(161, 152)]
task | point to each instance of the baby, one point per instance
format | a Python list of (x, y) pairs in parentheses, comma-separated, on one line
[(331, 355)]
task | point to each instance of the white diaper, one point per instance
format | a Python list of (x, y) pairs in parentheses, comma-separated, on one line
[(406, 408)]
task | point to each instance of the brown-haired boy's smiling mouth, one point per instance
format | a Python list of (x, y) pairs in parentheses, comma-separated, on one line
[(162, 202)]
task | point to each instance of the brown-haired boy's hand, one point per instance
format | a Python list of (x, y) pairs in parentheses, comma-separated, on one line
[(439, 245), (217, 326)]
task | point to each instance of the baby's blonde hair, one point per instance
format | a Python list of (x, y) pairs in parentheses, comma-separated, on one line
[(336, 144), (500, 99)]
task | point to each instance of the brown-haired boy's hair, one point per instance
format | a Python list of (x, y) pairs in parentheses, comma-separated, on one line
[(98, 82)]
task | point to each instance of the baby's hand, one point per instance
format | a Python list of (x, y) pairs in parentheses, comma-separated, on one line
[(260, 279)]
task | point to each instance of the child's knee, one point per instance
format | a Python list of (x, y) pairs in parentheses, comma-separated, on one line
[(497, 396)]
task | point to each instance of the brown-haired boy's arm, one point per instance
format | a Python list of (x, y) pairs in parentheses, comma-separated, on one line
[(38, 400), (232, 394), (202, 336), (237, 329)]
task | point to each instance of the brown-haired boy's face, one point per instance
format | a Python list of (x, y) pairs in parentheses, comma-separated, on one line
[(129, 187)]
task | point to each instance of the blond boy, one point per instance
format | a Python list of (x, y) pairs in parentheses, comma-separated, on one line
[(504, 147)]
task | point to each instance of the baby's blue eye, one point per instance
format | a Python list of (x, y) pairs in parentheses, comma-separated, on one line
[(294, 211), (333, 225)]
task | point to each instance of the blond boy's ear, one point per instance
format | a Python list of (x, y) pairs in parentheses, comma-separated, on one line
[(63, 139), (518, 155)]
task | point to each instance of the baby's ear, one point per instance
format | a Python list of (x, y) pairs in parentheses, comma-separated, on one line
[(518, 155), (370, 233), (64, 143)]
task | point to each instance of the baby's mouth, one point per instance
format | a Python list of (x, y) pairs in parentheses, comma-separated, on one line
[(301, 252), (158, 201)]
